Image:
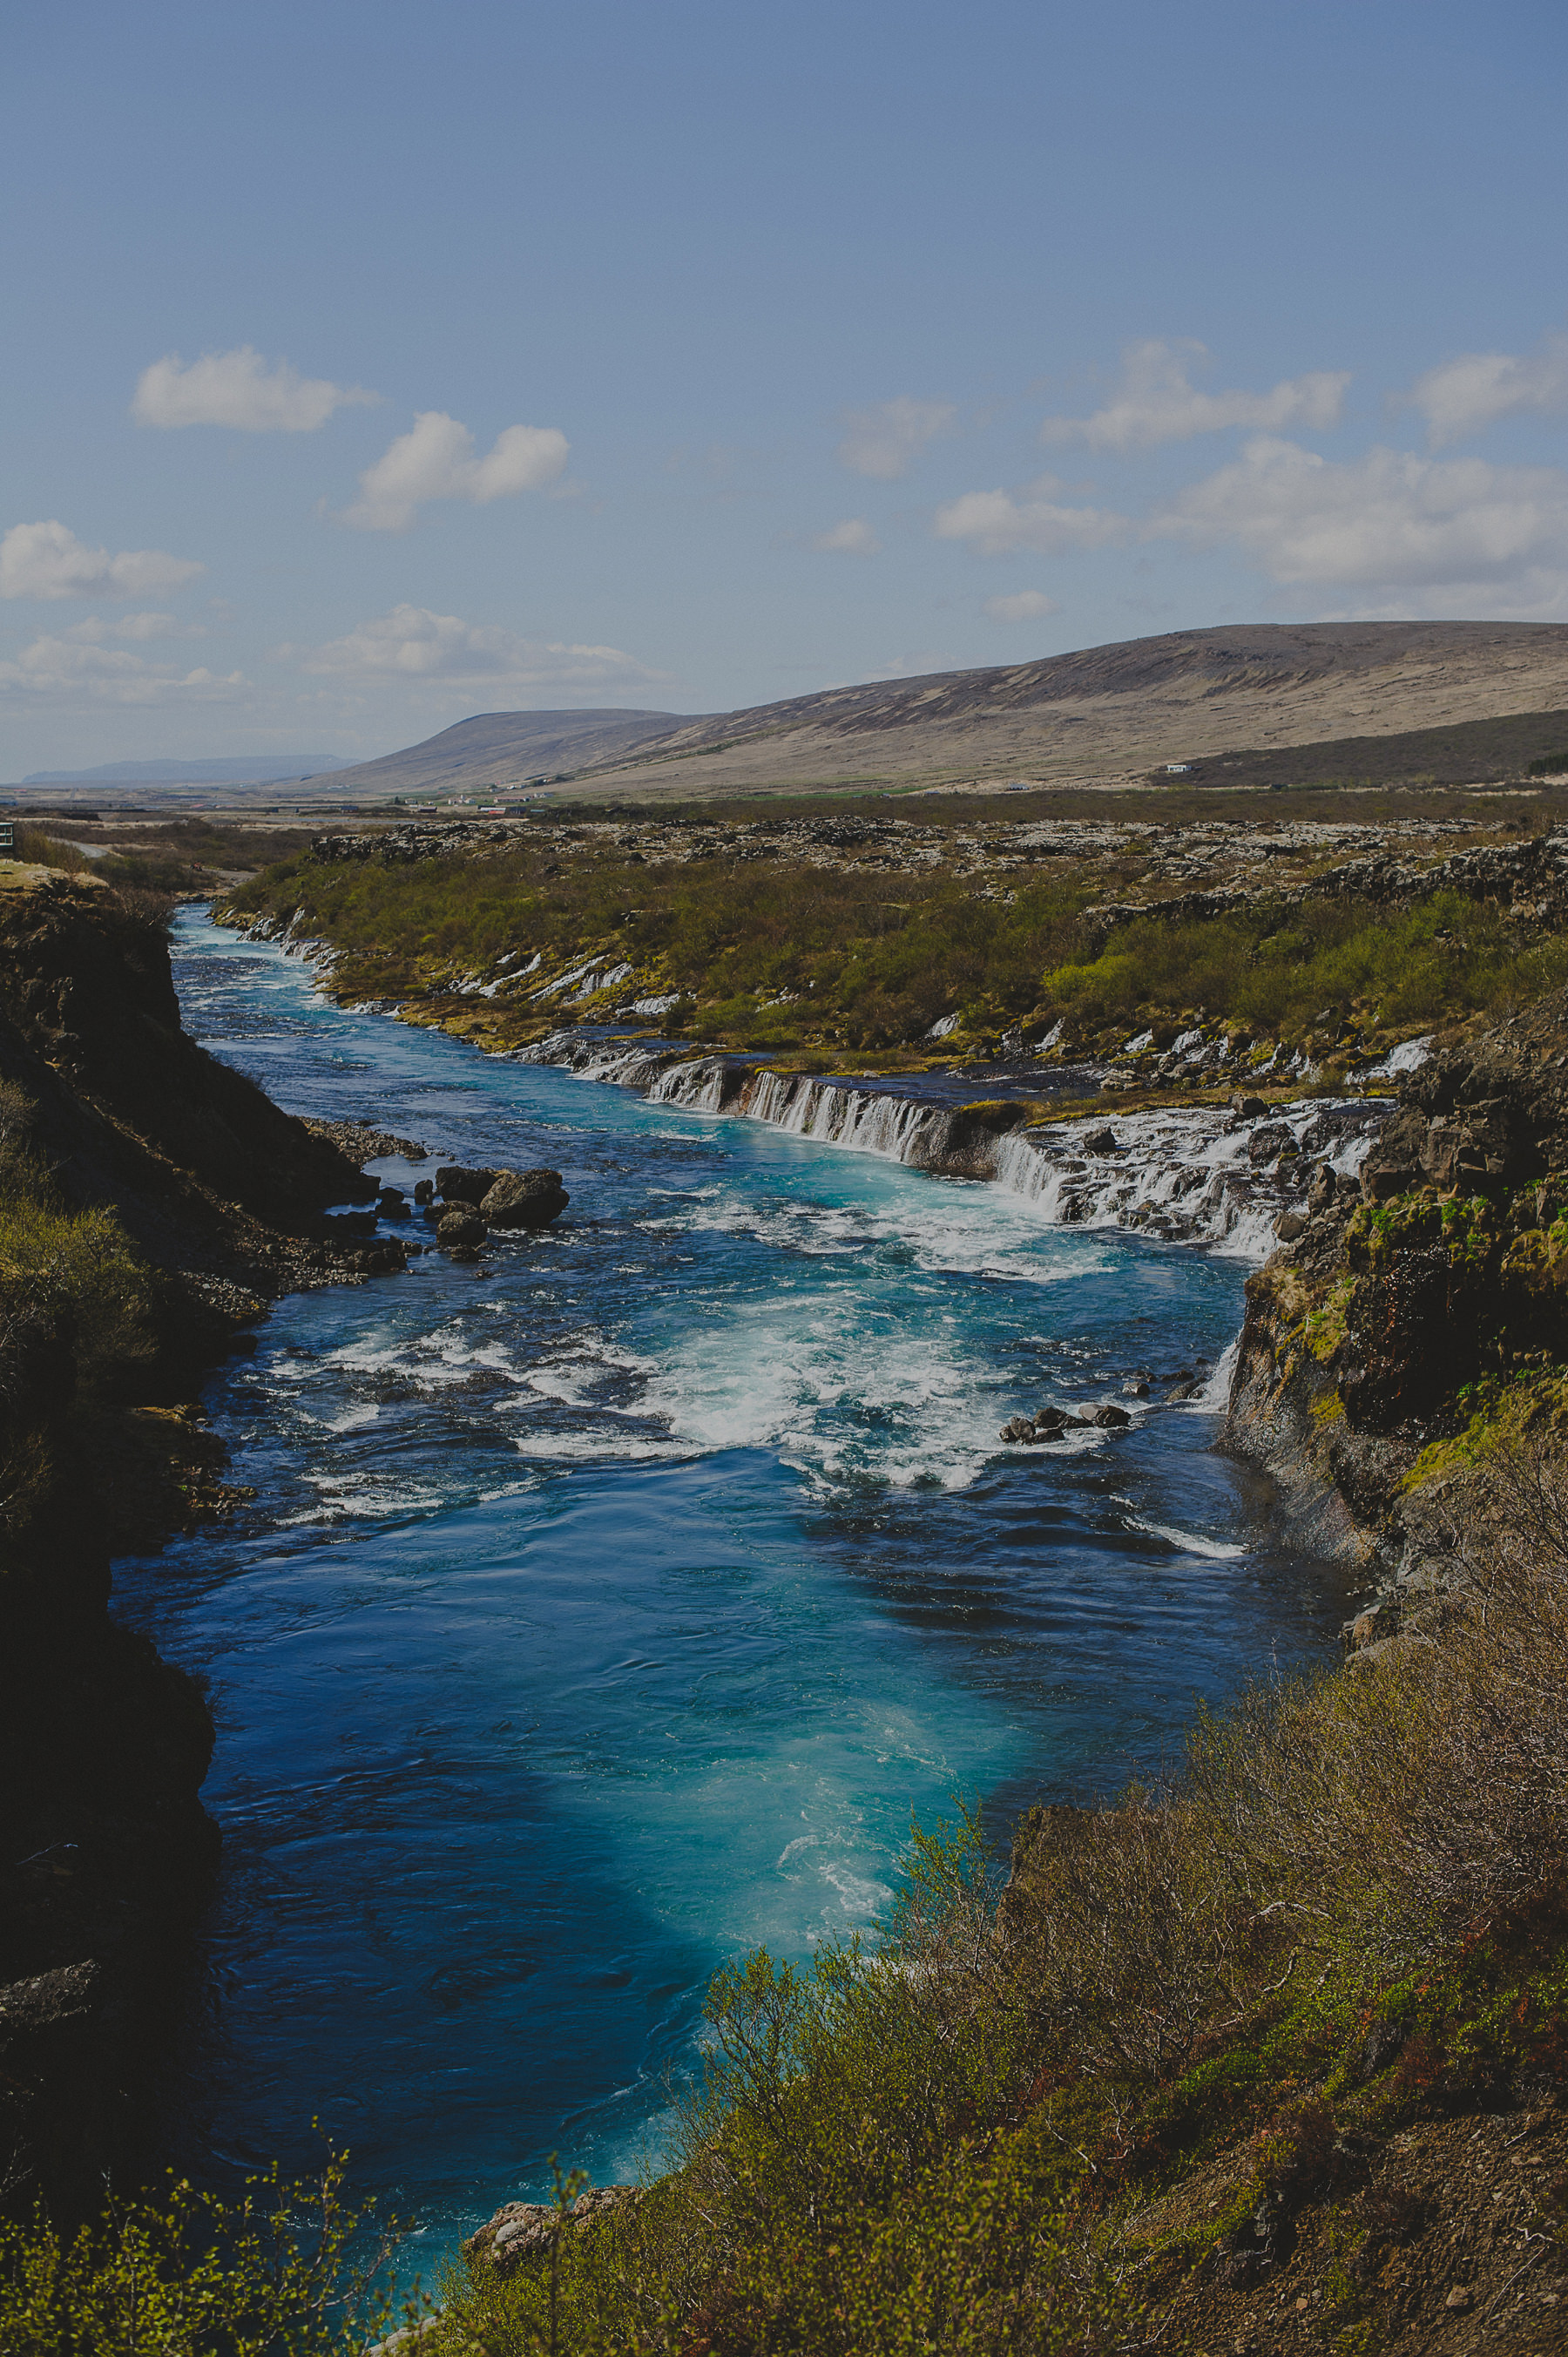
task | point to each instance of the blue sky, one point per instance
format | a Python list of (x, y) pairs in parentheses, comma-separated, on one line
[(372, 364)]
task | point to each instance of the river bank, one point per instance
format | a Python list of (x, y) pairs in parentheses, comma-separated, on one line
[(154, 1202)]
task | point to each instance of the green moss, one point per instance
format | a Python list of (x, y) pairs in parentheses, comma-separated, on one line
[(1498, 1410), (1325, 1326)]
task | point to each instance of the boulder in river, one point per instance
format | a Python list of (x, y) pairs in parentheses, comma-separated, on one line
[(455, 1183), (460, 1229), (1111, 1418), (524, 1198)]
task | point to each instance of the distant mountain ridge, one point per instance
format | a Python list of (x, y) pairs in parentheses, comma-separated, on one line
[(503, 748), (1096, 715), (251, 770)]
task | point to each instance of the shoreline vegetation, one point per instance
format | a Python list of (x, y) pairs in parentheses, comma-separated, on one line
[(1267, 2056), (829, 936)]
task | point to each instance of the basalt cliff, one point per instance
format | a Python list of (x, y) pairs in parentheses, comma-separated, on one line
[(1420, 1317), (153, 1202)]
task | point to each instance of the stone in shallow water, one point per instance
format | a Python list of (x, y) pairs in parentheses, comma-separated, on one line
[(460, 1230), (524, 1198), (456, 1183)]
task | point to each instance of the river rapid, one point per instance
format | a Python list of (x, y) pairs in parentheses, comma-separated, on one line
[(613, 1607)]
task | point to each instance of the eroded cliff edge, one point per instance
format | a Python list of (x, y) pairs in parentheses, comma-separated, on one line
[(152, 1201), (1420, 1317)]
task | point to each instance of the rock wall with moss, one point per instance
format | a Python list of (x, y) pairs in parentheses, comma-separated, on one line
[(1421, 1316)]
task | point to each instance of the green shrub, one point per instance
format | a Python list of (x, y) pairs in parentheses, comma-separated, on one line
[(77, 1270), (41, 850), (271, 2274), (778, 955)]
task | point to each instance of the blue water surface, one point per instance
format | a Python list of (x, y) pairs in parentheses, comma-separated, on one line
[(613, 1607)]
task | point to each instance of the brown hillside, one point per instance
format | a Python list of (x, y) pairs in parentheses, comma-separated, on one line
[(1097, 716), (1107, 713)]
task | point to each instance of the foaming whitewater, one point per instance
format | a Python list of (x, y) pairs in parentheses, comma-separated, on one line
[(611, 1605), (1190, 1175)]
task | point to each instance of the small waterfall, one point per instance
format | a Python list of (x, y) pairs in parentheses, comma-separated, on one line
[(1197, 1174)]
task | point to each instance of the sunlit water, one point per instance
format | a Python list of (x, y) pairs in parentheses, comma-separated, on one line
[(613, 1607)]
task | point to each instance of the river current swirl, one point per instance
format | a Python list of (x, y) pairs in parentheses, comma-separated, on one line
[(613, 1607)]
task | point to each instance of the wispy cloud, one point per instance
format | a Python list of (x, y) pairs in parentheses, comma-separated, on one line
[(853, 537), (65, 670), (239, 389), (882, 441), (47, 560), (1158, 401), (413, 644), (999, 524), (1456, 531), (435, 460), (94, 632), (1464, 394), (1024, 606)]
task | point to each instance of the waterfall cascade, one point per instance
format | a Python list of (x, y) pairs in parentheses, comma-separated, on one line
[(1200, 1174)]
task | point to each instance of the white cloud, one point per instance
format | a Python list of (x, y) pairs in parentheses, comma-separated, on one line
[(853, 537), (70, 672), (413, 644), (94, 632), (1391, 521), (997, 523), (1470, 392), (435, 460), (47, 560), (882, 440), (238, 389), (1157, 403), (1024, 606)]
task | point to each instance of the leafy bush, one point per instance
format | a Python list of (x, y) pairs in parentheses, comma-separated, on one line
[(42, 850), (77, 1270), (271, 2274)]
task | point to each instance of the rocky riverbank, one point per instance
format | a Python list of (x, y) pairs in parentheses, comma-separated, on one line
[(1418, 1319), (153, 1201)]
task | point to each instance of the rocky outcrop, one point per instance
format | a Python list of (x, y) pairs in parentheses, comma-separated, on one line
[(520, 2231), (105, 1851), (479, 1200), (1410, 1301), (362, 1142), (1530, 879)]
